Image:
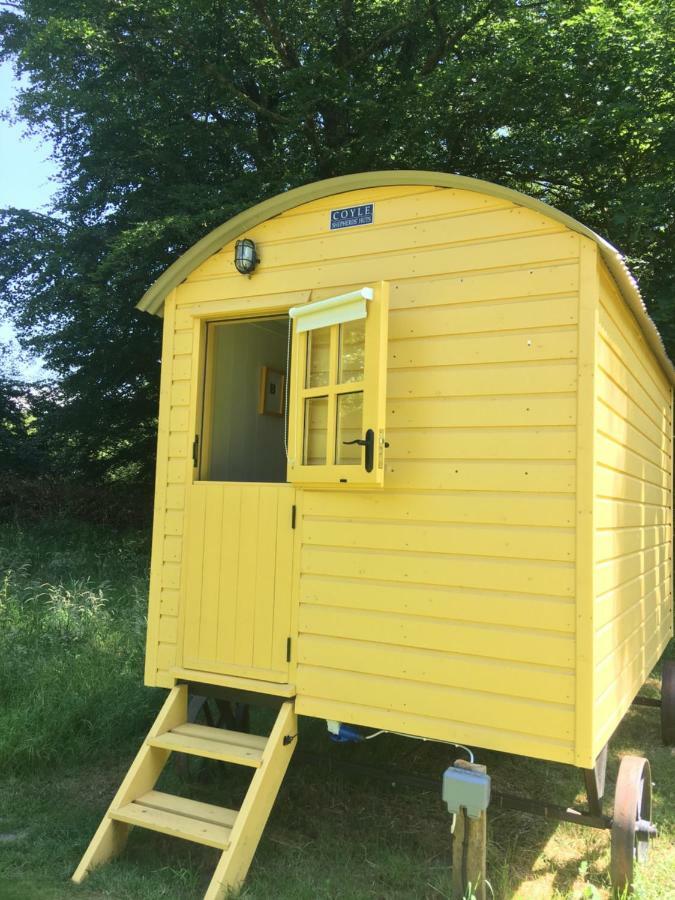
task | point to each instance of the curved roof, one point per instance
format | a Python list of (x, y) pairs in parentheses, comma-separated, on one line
[(153, 299)]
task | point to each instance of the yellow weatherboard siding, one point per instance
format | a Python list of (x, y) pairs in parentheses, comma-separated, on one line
[(483, 593), (633, 618)]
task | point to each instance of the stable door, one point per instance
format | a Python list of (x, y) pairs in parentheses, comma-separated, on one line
[(240, 510)]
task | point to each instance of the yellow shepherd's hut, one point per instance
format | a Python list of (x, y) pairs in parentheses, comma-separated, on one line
[(414, 473)]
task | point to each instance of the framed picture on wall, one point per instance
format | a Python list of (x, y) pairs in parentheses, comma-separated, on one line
[(271, 396)]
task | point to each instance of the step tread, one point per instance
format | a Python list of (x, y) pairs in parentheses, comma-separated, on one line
[(192, 809), (207, 748), (222, 735), (173, 824)]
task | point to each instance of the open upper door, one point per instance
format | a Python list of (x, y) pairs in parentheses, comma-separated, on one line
[(338, 386)]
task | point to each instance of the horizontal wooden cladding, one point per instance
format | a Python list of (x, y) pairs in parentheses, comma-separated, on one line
[(612, 396), (182, 341), (176, 470), (166, 658), (614, 572), (445, 729), (615, 368), (624, 459), (627, 514), (397, 205), (434, 537), (482, 443), (511, 315), (498, 507), (624, 433), (420, 234), (438, 602), (481, 475), (168, 629), (179, 418), (180, 393), (175, 496), (620, 676), (484, 573), (620, 598), (518, 251), (169, 602), (182, 367), (172, 548), (367, 195), (613, 542), (279, 252), (633, 552), (469, 706), (541, 647), (179, 444), (620, 331), (522, 411), (170, 575), (173, 522), (434, 667), (479, 287), (645, 641), (454, 350), (419, 206), (617, 631), (620, 486), (463, 381)]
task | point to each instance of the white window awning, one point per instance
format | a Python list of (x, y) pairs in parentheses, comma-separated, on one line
[(332, 311)]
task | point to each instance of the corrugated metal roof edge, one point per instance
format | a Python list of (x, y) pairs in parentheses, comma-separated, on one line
[(153, 299)]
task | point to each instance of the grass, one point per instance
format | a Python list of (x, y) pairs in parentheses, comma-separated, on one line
[(73, 711)]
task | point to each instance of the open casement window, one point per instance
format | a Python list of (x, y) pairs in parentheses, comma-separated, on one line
[(336, 421)]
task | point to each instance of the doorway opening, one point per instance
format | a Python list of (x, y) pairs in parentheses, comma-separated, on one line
[(245, 392)]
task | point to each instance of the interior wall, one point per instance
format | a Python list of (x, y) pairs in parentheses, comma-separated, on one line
[(244, 444)]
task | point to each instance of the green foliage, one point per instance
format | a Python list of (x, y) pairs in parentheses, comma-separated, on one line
[(170, 117), (71, 644), (13, 429)]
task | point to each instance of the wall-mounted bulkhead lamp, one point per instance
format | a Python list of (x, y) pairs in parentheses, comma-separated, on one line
[(245, 256)]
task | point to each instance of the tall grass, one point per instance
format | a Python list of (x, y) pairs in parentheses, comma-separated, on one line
[(72, 627)]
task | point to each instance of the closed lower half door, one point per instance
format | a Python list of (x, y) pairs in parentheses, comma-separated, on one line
[(238, 574)]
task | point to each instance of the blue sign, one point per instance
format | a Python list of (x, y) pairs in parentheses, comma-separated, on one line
[(351, 216)]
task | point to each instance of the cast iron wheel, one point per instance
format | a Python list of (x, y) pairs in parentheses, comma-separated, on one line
[(668, 702), (632, 822)]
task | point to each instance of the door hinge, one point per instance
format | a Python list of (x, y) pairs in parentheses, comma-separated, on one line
[(293, 514), (195, 452), (288, 649)]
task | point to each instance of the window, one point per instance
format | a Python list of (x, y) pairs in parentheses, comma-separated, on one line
[(336, 420)]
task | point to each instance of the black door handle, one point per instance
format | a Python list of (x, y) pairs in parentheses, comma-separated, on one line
[(369, 443)]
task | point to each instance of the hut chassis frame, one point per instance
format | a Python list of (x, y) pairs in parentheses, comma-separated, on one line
[(630, 825)]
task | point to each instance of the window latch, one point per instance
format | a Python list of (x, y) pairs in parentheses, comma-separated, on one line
[(369, 443)]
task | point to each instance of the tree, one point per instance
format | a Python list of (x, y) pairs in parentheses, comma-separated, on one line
[(17, 453), (169, 117)]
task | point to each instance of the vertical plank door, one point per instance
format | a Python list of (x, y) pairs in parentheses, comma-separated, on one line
[(237, 590)]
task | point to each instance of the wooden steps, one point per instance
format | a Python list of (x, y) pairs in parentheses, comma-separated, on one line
[(235, 833), (178, 817), (213, 743)]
